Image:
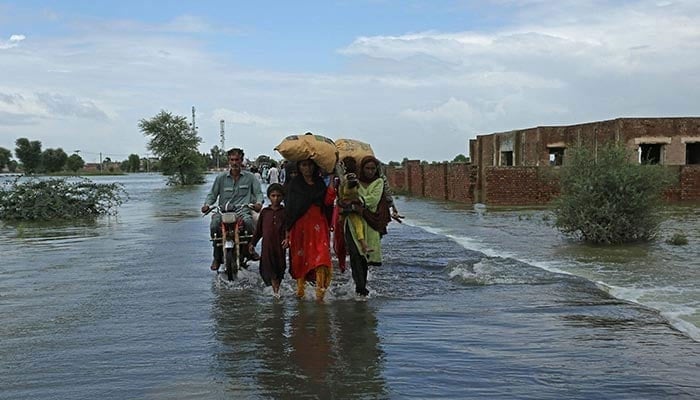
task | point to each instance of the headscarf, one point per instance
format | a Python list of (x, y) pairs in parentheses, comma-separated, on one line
[(290, 168), (300, 196), (361, 169)]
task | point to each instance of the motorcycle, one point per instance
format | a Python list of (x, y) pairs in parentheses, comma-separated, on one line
[(234, 238)]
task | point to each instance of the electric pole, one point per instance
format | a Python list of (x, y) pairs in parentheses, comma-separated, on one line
[(221, 135), (194, 126)]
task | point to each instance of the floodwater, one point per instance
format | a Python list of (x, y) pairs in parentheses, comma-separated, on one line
[(475, 305)]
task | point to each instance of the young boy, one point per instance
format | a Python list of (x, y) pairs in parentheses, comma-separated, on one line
[(350, 201), (271, 229)]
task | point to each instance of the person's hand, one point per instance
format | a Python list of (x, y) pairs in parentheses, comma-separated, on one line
[(205, 208), (396, 216), (251, 248), (285, 243), (257, 207)]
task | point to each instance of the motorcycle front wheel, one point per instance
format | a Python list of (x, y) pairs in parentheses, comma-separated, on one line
[(231, 267)]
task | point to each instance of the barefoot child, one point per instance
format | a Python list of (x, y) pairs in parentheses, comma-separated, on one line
[(350, 201), (271, 228)]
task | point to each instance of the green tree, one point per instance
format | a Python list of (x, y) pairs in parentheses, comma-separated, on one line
[(134, 163), (29, 154), (106, 164), (608, 199), (460, 158), (74, 163), (53, 160), (262, 159), (176, 145), (5, 157), (218, 154)]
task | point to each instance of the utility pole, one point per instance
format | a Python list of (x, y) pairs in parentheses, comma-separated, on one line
[(194, 126), (101, 162), (223, 149)]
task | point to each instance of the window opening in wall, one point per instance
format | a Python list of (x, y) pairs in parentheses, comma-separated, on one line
[(506, 158), (556, 155), (692, 153), (650, 153)]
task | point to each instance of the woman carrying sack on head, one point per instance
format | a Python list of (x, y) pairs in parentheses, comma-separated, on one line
[(309, 206)]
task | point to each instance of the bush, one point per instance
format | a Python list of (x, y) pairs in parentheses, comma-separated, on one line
[(56, 199), (678, 239), (608, 199)]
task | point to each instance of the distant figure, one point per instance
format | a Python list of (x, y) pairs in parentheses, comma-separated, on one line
[(271, 229), (273, 175), (255, 171), (283, 172)]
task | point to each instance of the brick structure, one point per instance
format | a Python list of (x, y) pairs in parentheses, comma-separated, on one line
[(520, 186), (520, 167), (461, 181), (689, 183)]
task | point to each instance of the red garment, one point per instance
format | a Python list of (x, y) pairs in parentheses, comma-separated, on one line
[(271, 229), (309, 241), (339, 239)]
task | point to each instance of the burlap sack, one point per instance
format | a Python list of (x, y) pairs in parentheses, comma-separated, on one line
[(316, 147), (353, 148)]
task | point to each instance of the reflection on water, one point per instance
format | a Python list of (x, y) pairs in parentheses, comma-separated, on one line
[(465, 306), (293, 349)]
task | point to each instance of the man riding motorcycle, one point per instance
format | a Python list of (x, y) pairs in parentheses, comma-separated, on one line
[(236, 187)]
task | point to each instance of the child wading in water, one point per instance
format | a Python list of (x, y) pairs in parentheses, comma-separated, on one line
[(351, 202), (271, 228)]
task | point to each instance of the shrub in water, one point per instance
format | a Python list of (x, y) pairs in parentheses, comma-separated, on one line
[(55, 199), (678, 239), (607, 199)]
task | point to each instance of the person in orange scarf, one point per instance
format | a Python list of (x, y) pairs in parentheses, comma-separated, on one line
[(309, 207)]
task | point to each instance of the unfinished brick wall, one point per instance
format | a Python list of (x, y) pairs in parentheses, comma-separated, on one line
[(396, 177), (461, 182), (520, 186), (531, 180), (435, 181), (414, 177), (509, 186), (689, 183)]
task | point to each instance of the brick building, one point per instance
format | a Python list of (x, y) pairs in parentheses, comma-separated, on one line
[(520, 167)]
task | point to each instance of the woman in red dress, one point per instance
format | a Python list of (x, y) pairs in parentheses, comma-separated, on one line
[(309, 206)]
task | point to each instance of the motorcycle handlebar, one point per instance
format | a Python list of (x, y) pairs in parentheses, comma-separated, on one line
[(215, 208)]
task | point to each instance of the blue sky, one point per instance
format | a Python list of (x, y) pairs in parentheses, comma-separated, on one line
[(415, 79)]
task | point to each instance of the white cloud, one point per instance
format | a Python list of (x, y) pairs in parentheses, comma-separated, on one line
[(240, 118), (13, 42), (457, 111), (417, 95), (43, 105)]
